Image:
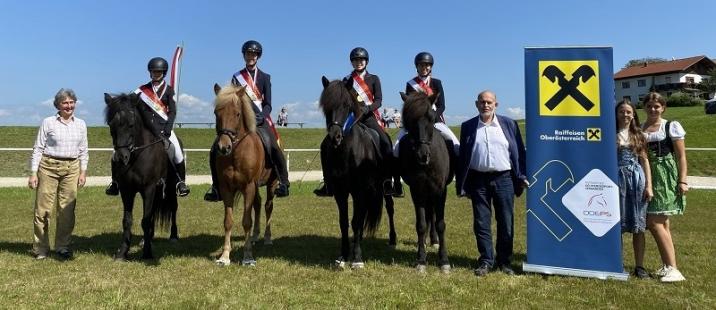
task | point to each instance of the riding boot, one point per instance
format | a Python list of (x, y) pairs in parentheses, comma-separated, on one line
[(280, 166), (213, 193), (325, 189), (386, 151), (113, 188), (182, 188)]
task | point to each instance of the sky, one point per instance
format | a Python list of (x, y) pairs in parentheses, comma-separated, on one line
[(96, 47)]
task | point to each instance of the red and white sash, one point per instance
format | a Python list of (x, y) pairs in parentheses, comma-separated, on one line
[(362, 89), (151, 99), (422, 86), (244, 79)]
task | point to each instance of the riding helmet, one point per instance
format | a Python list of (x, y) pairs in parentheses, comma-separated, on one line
[(158, 64), (359, 53), (423, 57), (252, 46)]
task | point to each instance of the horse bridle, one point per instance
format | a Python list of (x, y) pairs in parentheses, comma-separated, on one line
[(232, 135)]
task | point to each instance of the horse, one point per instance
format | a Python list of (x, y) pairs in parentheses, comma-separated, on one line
[(142, 167), (425, 167), (355, 169), (242, 168)]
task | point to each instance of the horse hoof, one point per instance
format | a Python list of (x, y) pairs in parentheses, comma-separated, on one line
[(435, 246), (120, 258), (248, 262), (420, 268), (340, 263), (445, 269), (223, 262), (268, 242), (357, 265)]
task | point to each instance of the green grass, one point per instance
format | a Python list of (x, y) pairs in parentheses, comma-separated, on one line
[(699, 128), (296, 271)]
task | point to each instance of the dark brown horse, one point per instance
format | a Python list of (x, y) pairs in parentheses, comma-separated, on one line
[(242, 169), (425, 167), (355, 169)]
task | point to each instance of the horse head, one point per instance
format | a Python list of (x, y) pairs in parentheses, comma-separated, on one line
[(235, 117), (419, 120), (340, 107), (125, 124)]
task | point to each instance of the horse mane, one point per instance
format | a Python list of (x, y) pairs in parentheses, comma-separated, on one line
[(416, 105), (230, 94), (334, 95), (116, 104)]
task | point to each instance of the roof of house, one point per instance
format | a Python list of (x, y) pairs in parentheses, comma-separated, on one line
[(677, 65)]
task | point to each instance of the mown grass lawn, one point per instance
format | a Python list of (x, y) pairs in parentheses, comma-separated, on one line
[(296, 271)]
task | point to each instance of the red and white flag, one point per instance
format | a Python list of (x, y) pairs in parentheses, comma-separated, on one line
[(176, 70)]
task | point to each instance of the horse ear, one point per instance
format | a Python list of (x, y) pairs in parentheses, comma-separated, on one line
[(434, 98), (325, 81), (403, 96), (217, 89), (107, 98), (241, 90)]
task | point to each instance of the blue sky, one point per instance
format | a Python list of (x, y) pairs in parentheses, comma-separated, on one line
[(95, 47)]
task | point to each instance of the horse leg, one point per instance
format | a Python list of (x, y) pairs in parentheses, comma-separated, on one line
[(148, 220), (358, 221), (341, 198), (443, 261), (128, 204), (174, 236), (420, 229), (225, 258), (269, 211), (249, 202), (390, 209), (256, 205)]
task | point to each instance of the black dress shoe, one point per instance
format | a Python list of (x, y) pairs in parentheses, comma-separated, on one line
[(112, 189), (281, 190), (483, 270), (212, 194), (506, 269), (323, 191), (182, 189)]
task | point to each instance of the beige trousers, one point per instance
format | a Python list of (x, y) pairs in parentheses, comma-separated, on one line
[(56, 190)]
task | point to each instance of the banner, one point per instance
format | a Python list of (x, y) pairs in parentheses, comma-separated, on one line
[(176, 70), (573, 217)]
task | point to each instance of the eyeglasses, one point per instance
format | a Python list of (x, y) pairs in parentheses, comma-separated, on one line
[(68, 101)]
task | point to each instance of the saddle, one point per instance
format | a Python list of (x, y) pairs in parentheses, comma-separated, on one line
[(374, 138), (266, 143)]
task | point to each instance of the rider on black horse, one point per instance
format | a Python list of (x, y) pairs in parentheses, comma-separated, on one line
[(158, 112), (258, 87)]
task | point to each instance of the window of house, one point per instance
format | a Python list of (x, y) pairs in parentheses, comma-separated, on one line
[(627, 98), (641, 97), (667, 80), (640, 83), (690, 79), (625, 85)]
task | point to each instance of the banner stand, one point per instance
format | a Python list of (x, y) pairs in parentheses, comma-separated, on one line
[(551, 270)]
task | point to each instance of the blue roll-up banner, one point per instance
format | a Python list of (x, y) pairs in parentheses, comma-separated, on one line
[(573, 218)]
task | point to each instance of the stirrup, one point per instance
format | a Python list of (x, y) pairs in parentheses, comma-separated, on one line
[(212, 195), (182, 190)]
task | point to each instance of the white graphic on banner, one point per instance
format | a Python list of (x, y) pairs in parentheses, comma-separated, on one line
[(595, 202), (554, 174)]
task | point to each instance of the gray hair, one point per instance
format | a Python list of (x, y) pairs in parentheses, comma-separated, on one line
[(62, 94)]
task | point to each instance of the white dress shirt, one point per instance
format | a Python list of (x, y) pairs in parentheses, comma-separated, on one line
[(491, 150), (61, 140)]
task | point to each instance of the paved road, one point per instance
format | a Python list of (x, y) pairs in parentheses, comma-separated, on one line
[(314, 175)]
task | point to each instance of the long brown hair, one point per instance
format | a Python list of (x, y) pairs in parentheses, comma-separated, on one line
[(637, 141)]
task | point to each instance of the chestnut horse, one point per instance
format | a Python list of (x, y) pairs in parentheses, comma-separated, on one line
[(241, 164)]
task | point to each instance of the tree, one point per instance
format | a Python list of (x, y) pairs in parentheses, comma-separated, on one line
[(708, 85), (642, 61)]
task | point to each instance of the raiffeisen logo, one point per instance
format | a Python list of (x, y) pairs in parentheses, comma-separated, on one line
[(597, 201)]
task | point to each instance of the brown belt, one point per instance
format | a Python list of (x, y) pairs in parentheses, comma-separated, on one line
[(58, 158)]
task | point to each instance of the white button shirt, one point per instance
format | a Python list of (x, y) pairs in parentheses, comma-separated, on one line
[(491, 150)]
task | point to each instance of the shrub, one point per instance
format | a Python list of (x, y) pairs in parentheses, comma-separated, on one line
[(680, 99)]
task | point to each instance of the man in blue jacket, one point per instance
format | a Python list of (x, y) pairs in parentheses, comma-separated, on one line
[(491, 171)]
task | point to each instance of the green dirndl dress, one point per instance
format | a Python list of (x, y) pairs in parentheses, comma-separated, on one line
[(664, 182)]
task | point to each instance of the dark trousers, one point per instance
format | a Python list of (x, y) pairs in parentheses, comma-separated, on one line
[(492, 189)]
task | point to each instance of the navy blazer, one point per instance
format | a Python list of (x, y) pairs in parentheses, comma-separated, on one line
[(373, 83), (263, 83), (516, 149), (437, 87), (155, 123)]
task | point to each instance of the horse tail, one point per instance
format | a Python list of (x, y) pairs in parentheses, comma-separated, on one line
[(165, 204), (373, 214)]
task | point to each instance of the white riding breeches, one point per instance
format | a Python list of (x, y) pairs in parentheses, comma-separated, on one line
[(178, 154), (444, 131)]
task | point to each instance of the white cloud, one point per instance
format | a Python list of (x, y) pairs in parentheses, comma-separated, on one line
[(194, 109), (190, 102), (48, 103), (456, 119), (516, 113), (4, 112)]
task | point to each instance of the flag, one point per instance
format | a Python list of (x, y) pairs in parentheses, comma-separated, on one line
[(176, 70)]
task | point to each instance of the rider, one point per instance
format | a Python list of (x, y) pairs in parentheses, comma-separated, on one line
[(429, 85), (158, 113), (369, 92), (258, 87)]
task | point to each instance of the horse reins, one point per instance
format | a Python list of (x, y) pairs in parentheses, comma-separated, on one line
[(232, 136)]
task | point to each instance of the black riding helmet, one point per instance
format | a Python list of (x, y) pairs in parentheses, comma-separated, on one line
[(359, 53), (158, 64), (424, 57), (252, 46)]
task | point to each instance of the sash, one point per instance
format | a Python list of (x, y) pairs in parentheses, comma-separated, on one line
[(244, 79), (150, 98), (362, 89), (419, 85)]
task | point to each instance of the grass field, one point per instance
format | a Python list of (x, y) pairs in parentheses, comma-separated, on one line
[(296, 271), (699, 128)]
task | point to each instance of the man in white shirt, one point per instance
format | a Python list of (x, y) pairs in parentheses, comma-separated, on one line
[(490, 170)]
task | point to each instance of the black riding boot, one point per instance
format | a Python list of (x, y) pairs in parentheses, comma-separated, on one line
[(182, 188), (279, 162), (325, 190), (386, 150), (213, 193)]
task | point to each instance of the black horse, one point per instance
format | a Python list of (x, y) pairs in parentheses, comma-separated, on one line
[(425, 167), (142, 166), (355, 169)]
